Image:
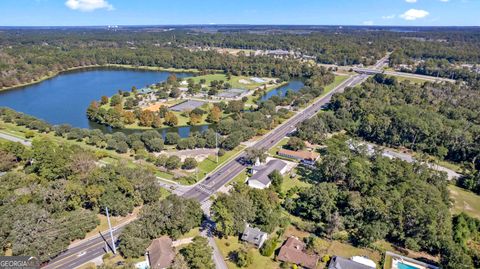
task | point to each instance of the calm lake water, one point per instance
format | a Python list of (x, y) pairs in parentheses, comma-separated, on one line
[(294, 85), (65, 98)]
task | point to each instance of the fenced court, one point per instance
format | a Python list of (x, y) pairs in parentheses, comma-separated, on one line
[(187, 105), (232, 93)]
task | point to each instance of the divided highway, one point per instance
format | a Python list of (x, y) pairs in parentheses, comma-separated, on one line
[(84, 252), (229, 171)]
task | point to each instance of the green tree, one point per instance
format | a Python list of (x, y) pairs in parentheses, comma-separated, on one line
[(173, 162), (189, 163), (171, 119), (115, 100), (172, 138), (241, 257), (223, 218), (295, 143), (269, 247), (277, 180), (198, 254)]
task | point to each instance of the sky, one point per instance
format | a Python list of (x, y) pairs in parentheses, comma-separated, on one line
[(295, 12)]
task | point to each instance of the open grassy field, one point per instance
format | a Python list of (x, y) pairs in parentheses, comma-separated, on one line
[(465, 201), (234, 81), (336, 82), (226, 245), (411, 80), (292, 182)]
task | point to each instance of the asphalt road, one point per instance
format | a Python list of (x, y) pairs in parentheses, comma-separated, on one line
[(370, 71), (84, 252), (229, 171), (15, 139)]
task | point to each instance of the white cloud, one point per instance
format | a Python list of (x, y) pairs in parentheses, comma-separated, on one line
[(413, 14), (88, 5), (444, 0), (411, 1), (388, 17), (368, 23)]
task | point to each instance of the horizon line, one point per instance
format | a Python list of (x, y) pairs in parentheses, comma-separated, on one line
[(239, 24)]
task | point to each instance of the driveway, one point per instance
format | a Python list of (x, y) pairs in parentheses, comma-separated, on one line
[(12, 138)]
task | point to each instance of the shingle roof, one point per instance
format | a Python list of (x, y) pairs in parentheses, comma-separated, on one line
[(160, 252), (263, 171), (338, 262), (253, 235), (293, 251)]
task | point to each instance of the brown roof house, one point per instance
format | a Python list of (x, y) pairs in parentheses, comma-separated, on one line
[(293, 252), (160, 253), (306, 157)]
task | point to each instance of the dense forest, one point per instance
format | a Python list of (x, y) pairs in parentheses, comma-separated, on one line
[(440, 119), (363, 198), (60, 189), (28, 55), (357, 197)]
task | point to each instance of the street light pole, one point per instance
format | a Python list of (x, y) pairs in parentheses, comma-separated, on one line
[(216, 144), (111, 232)]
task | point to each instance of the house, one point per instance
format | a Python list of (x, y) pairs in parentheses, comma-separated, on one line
[(398, 261), (293, 252), (338, 262), (160, 253), (364, 260), (254, 236), (260, 173), (145, 90), (306, 157)]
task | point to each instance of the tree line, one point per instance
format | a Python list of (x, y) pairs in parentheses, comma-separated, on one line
[(361, 198), (59, 189)]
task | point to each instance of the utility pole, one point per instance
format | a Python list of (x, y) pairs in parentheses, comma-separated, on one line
[(111, 232), (216, 144)]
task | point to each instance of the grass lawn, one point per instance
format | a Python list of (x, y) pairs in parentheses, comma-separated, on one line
[(336, 82), (289, 182), (234, 81), (232, 243), (88, 265), (241, 178), (164, 175), (411, 80), (192, 233), (465, 201), (103, 226), (346, 250), (278, 146), (388, 262), (209, 164)]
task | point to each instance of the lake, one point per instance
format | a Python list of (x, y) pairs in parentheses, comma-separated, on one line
[(65, 98), (294, 85)]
